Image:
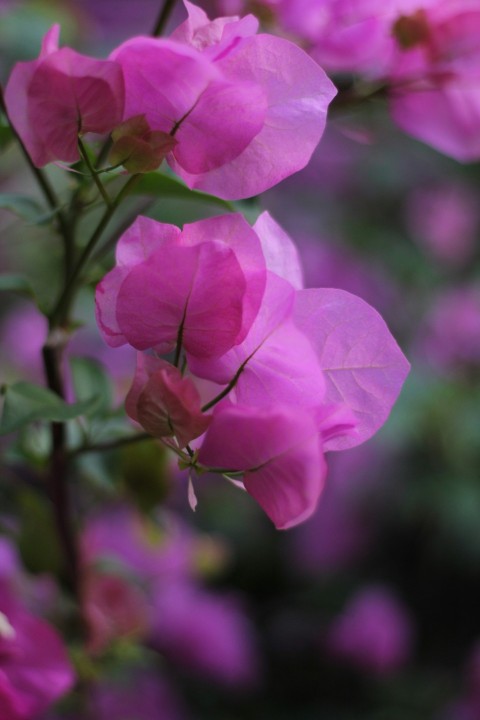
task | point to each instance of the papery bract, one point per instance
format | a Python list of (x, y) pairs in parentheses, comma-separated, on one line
[(164, 402), (247, 110), (281, 254), (164, 289), (363, 365), (212, 119), (277, 362), (62, 94), (278, 450)]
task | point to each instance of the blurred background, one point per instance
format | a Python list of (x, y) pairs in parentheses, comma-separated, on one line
[(370, 610)]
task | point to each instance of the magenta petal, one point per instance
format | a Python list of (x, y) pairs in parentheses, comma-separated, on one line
[(281, 254), (234, 231), (50, 41), (363, 365), (142, 238), (106, 306), (16, 100), (164, 402), (145, 367), (298, 93), (175, 291), (278, 449), (52, 99), (137, 243), (223, 122), (163, 79), (276, 308), (215, 37)]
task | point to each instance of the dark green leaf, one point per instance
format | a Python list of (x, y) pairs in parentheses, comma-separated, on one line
[(6, 136), (164, 186), (15, 283), (24, 206), (25, 403), (91, 380)]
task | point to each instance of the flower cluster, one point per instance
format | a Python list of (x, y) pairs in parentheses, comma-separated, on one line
[(426, 52), (261, 375), (232, 112)]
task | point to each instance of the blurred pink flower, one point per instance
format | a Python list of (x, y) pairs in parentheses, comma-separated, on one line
[(205, 633), (137, 693), (34, 667), (373, 633), (445, 220), (450, 335), (435, 76), (144, 582)]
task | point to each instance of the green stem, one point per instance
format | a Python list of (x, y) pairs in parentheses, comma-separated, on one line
[(113, 444), (60, 312), (93, 173)]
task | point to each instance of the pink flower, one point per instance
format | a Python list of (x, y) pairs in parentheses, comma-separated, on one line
[(62, 94), (445, 220), (436, 77), (309, 371), (277, 449), (164, 402), (374, 632), (163, 290), (34, 666), (246, 110)]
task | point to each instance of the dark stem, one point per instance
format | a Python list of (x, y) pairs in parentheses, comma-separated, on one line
[(163, 17), (58, 470)]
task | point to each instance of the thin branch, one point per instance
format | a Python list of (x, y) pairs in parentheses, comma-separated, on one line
[(112, 444), (94, 173), (163, 17)]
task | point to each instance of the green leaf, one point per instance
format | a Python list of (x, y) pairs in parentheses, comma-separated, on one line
[(22, 205), (16, 283), (164, 186), (25, 403), (6, 136), (91, 380)]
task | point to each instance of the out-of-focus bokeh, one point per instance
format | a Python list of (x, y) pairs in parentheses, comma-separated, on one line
[(371, 609)]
